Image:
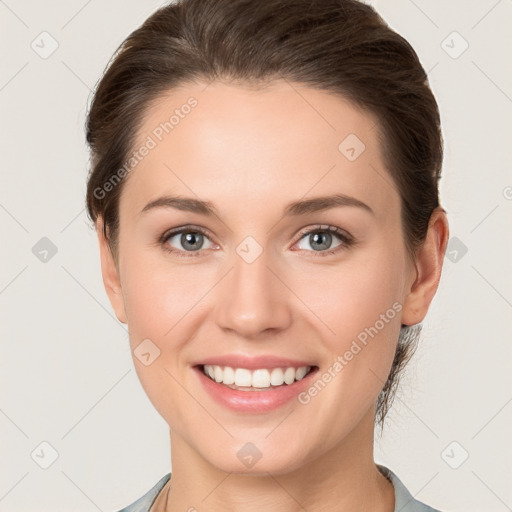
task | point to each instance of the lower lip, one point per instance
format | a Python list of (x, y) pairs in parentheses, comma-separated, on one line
[(254, 401)]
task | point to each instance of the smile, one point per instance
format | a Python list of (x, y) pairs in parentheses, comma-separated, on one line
[(261, 379), (257, 390)]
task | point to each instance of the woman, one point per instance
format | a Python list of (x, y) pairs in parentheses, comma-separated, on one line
[(264, 186)]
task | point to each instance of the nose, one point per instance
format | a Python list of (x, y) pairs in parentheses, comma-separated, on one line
[(253, 299)]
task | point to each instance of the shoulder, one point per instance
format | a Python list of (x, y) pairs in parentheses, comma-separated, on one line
[(144, 503), (404, 501)]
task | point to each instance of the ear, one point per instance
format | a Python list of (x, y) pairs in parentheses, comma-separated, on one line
[(425, 277), (110, 274)]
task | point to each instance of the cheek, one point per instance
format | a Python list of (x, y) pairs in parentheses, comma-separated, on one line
[(159, 295), (161, 301), (165, 302), (358, 306), (351, 297), (362, 311)]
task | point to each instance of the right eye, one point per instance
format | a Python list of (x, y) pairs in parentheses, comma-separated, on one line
[(188, 239)]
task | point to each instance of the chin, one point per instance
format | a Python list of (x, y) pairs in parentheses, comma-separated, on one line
[(247, 459)]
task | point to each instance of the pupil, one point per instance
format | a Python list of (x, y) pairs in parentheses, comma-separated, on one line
[(318, 237), (188, 239)]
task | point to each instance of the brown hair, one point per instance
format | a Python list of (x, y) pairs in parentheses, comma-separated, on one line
[(339, 46)]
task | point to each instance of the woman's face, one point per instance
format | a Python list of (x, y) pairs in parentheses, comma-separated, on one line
[(265, 280)]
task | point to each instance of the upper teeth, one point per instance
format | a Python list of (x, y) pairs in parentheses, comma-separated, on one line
[(261, 378)]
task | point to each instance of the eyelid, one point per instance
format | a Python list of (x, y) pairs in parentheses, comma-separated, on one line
[(324, 228), (187, 228)]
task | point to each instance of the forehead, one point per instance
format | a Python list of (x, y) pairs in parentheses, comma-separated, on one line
[(234, 144)]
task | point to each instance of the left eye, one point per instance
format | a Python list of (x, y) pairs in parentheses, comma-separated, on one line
[(321, 239)]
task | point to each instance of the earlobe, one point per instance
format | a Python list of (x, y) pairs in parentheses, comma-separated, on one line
[(110, 274), (429, 262)]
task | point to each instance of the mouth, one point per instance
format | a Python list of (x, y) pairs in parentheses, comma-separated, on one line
[(255, 384), (260, 379)]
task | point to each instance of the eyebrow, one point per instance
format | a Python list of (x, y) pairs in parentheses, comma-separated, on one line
[(296, 208)]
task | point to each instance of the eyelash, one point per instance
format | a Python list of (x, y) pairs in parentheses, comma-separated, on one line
[(347, 240)]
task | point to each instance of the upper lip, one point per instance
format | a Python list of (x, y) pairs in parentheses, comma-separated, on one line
[(252, 363)]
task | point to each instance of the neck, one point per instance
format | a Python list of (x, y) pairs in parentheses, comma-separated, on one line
[(344, 478)]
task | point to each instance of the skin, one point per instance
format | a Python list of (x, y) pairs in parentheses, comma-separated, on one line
[(251, 152)]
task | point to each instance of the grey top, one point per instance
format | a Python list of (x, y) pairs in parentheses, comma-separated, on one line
[(404, 501)]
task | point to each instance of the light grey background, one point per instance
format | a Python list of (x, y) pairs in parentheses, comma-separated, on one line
[(66, 374)]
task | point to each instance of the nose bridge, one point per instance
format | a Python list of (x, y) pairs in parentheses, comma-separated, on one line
[(251, 299)]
